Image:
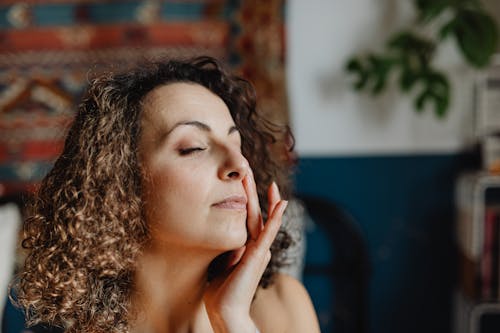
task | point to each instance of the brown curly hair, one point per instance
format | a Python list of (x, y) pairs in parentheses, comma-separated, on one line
[(86, 228)]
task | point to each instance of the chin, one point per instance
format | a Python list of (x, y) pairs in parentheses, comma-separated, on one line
[(219, 263), (233, 241), (230, 234)]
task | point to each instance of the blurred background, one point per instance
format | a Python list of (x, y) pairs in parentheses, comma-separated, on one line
[(378, 172)]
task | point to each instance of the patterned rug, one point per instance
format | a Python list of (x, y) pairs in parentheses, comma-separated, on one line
[(48, 49)]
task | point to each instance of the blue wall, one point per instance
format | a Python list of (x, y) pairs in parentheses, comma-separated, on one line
[(405, 208)]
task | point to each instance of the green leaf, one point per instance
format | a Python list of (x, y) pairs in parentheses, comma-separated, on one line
[(421, 100), (442, 105), (430, 9), (361, 83), (407, 79), (438, 82), (403, 40), (380, 68), (477, 36), (409, 45), (467, 4), (355, 67), (436, 91), (448, 29)]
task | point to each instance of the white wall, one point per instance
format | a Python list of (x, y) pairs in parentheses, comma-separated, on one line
[(329, 118)]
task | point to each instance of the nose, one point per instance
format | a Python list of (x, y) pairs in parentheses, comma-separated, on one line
[(234, 165)]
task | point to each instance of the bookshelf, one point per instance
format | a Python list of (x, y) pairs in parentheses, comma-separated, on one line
[(477, 300)]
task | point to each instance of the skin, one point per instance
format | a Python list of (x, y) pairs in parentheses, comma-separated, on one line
[(200, 202)]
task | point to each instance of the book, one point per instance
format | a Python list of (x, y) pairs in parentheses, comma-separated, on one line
[(490, 215)]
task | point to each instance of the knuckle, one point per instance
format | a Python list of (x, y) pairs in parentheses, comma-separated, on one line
[(253, 251), (259, 252)]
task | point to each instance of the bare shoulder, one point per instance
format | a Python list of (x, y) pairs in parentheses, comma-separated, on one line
[(284, 307)]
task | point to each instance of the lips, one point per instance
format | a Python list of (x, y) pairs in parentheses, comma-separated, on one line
[(232, 202)]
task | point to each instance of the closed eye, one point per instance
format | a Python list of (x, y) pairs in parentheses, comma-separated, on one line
[(188, 151)]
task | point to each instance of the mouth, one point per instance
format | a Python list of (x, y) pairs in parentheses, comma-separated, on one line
[(233, 202)]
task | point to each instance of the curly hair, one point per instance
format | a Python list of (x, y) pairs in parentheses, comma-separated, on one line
[(86, 226)]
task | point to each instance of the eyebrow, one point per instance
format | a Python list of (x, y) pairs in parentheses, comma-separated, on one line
[(198, 124)]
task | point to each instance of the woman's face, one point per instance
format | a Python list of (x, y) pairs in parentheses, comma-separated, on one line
[(193, 168)]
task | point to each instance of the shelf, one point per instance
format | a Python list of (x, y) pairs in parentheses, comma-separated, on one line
[(476, 317), (477, 199), (470, 203)]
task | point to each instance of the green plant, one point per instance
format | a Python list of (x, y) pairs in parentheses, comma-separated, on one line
[(410, 54)]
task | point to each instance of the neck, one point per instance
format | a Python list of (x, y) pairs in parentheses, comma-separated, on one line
[(169, 290)]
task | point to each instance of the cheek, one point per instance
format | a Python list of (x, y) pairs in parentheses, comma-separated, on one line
[(170, 192), (179, 182)]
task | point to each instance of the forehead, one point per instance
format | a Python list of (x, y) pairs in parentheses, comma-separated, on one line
[(175, 102)]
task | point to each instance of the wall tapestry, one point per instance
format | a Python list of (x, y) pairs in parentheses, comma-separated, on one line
[(49, 49)]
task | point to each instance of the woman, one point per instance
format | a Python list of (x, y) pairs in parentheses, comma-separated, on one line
[(150, 220)]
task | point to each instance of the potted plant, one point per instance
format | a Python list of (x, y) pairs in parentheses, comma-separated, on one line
[(409, 53)]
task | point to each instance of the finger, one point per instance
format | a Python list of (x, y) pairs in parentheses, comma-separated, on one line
[(224, 264), (272, 226), (254, 216), (236, 256), (273, 197), (257, 255), (257, 250)]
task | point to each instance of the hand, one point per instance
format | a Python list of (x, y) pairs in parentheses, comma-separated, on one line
[(229, 296)]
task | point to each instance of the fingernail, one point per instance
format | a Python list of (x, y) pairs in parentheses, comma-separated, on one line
[(283, 206), (275, 187), (248, 178)]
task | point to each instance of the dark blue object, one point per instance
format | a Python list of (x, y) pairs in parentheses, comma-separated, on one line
[(337, 268)]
